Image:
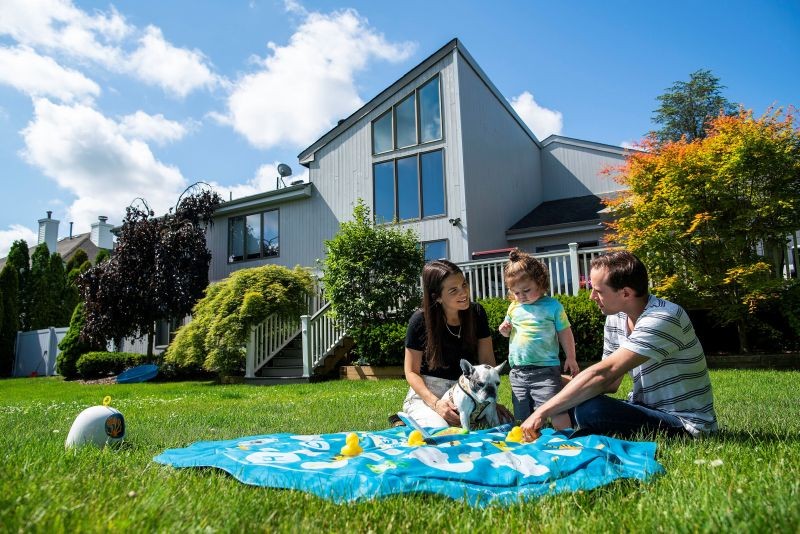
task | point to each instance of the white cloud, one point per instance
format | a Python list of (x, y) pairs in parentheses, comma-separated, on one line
[(177, 70), (543, 122), (36, 75), (97, 160), (154, 128), (628, 144), (58, 27), (15, 232), (264, 180), (303, 88)]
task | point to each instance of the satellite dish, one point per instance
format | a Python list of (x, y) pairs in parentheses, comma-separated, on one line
[(284, 170)]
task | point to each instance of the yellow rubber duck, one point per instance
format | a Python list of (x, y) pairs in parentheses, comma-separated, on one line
[(415, 439), (352, 448), (515, 435)]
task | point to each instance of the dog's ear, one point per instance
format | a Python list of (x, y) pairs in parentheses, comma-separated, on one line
[(466, 368), (500, 367)]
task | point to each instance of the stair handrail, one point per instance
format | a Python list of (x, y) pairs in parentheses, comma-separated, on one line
[(321, 335)]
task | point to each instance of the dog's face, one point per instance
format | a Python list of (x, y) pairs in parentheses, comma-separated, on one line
[(483, 379)]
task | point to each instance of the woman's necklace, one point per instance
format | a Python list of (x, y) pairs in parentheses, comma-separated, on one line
[(456, 334)]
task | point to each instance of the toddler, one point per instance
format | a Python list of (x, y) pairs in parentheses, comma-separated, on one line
[(537, 324)]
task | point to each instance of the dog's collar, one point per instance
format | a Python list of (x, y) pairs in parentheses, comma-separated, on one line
[(480, 406)]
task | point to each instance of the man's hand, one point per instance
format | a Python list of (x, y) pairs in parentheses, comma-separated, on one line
[(531, 427), (505, 328)]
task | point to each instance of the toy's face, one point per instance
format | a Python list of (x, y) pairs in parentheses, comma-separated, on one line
[(98, 425)]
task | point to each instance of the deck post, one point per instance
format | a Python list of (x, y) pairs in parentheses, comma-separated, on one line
[(573, 266), (307, 365)]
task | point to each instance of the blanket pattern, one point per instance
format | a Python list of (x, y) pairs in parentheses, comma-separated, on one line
[(481, 467)]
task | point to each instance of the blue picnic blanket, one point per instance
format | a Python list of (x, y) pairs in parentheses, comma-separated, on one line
[(480, 467)]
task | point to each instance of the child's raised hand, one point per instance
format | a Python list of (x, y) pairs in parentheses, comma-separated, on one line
[(505, 328)]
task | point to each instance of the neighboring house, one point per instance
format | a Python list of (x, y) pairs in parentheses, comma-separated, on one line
[(91, 242), (442, 152)]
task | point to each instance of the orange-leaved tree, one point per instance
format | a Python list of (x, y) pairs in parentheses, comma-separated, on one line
[(710, 217)]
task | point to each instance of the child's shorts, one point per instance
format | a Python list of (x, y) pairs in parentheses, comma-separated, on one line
[(533, 385)]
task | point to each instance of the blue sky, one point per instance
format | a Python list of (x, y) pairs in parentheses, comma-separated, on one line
[(103, 102)]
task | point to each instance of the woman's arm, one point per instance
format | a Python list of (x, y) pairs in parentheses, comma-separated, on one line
[(411, 366)]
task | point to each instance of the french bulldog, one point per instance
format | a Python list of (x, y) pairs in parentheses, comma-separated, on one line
[(475, 395)]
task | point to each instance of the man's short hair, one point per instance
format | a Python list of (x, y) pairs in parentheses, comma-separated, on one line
[(624, 270)]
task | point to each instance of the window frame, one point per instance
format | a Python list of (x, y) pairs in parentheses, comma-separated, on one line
[(417, 110), (261, 254), (420, 196)]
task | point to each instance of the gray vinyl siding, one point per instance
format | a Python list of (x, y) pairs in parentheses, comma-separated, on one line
[(501, 162), (342, 169), (296, 245), (572, 170)]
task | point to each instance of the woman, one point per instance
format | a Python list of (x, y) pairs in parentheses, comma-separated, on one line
[(446, 329)]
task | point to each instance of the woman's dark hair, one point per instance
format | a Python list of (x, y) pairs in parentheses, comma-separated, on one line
[(433, 276), (624, 270)]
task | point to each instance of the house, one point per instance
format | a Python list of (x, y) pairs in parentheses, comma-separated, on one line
[(99, 237), (441, 151)]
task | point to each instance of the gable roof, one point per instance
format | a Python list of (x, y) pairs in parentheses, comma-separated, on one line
[(307, 156), (69, 246), (581, 143)]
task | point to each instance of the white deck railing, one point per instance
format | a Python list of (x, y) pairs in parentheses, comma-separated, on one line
[(569, 270)]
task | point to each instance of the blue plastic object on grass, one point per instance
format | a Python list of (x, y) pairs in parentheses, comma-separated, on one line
[(140, 373)]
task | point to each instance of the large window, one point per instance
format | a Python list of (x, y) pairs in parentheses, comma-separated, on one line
[(409, 188), (254, 236), (414, 120)]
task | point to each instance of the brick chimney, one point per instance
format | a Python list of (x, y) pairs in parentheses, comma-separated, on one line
[(101, 233), (48, 232)]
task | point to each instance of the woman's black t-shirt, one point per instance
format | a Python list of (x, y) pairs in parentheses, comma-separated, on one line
[(452, 350)]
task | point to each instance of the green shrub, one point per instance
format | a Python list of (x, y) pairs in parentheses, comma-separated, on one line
[(101, 364), (72, 346), (496, 311), (774, 323), (380, 344), (215, 339), (585, 317)]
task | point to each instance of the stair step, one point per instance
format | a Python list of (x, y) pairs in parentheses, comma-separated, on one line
[(281, 372), (275, 380)]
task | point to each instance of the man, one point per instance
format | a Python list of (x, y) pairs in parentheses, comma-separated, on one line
[(654, 340)]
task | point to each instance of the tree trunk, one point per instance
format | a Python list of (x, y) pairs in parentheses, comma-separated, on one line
[(150, 339), (741, 328)]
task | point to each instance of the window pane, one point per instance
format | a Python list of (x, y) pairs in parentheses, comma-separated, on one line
[(435, 250), (235, 239), (407, 188), (432, 183), (384, 191), (382, 134), (253, 237), (406, 117), (269, 231), (430, 114)]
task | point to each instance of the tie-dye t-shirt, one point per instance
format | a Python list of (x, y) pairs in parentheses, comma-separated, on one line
[(534, 338)]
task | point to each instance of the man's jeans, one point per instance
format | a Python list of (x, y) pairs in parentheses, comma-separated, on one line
[(608, 416)]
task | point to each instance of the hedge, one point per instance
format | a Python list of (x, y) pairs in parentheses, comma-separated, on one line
[(102, 364)]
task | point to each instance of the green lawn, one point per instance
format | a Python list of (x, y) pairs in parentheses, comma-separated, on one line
[(745, 479)]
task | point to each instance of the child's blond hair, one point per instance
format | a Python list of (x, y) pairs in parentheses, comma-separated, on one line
[(523, 265)]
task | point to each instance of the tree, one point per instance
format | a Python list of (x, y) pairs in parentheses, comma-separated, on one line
[(9, 319), (371, 274), (19, 259), (710, 217), (687, 107), (158, 270), (221, 321), (72, 346)]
